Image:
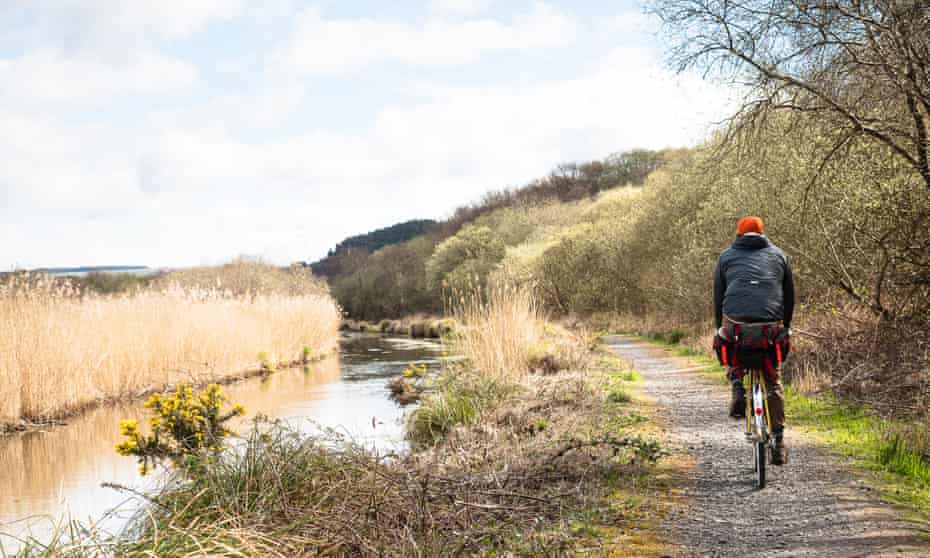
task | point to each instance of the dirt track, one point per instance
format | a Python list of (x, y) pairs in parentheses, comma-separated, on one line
[(814, 506)]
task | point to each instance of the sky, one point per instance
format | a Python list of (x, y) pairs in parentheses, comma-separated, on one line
[(187, 132)]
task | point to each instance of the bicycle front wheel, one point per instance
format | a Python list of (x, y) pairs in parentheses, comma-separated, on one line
[(761, 460)]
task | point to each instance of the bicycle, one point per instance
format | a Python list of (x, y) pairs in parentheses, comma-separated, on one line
[(759, 424)]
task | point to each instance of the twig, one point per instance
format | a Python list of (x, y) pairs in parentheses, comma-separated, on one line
[(491, 507)]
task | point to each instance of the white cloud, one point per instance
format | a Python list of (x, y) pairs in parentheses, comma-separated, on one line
[(320, 46), (49, 76), (459, 7), (413, 160), (494, 135), (171, 19), (60, 169), (186, 169), (631, 23), (104, 24)]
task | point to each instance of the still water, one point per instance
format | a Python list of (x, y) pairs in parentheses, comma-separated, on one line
[(57, 474)]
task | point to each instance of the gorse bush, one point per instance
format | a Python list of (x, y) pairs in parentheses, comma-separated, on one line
[(184, 427), (411, 384)]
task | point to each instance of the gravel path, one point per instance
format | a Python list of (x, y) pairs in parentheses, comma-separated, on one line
[(811, 507)]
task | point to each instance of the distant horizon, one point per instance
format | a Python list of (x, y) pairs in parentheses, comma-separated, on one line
[(91, 268)]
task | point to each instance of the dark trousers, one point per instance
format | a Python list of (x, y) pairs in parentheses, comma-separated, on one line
[(773, 389)]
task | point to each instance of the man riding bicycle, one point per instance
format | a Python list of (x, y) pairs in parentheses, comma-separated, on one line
[(754, 289)]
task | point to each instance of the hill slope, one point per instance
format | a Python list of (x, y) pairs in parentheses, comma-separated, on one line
[(370, 242)]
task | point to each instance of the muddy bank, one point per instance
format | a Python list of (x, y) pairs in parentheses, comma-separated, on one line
[(421, 328), (27, 424)]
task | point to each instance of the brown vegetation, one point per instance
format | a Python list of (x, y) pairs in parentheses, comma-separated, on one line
[(499, 327), (61, 350), (544, 468), (414, 326)]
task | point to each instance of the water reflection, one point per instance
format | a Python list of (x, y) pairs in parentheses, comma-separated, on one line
[(58, 472)]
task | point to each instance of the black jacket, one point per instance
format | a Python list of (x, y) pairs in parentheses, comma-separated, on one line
[(753, 282)]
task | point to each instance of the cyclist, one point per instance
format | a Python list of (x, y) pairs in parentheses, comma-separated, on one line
[(753, 284)]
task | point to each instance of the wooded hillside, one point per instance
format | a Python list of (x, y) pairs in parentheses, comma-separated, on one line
[(400, 269)]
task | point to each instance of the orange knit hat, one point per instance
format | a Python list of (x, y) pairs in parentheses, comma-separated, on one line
[(750, 224)]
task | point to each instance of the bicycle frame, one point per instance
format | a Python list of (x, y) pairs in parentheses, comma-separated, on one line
[(758, 421)]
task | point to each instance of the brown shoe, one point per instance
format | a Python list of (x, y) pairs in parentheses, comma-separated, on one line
[(738, 400), (738, 408), (779, 451)]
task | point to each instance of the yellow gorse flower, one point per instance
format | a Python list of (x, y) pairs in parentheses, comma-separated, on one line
[(128, 427), (183, 423)]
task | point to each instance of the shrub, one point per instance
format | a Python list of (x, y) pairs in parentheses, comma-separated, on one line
[(419, 329), (460, 399), (266, 363), (468, 256), (113, 283), (184, 427)]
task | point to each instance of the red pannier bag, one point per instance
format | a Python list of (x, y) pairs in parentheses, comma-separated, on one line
[(756, 346)]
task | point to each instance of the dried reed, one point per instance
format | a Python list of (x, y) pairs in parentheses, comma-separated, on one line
[(500, 327), (61, 350)]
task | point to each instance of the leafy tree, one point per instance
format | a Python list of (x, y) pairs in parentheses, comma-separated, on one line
[(341, 258), (469, 256), (393, 271), (389, 283)]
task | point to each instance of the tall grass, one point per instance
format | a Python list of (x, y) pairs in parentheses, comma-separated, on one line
[(61, 350), (499, 329), (245, 276)]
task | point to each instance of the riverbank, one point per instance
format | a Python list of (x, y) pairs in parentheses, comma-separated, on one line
[(63, 351), (522, 459), (556, 467), (63, 417), (50, 476), (419, 327)]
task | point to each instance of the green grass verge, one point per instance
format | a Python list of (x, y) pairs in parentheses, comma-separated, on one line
[(875, 443)]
